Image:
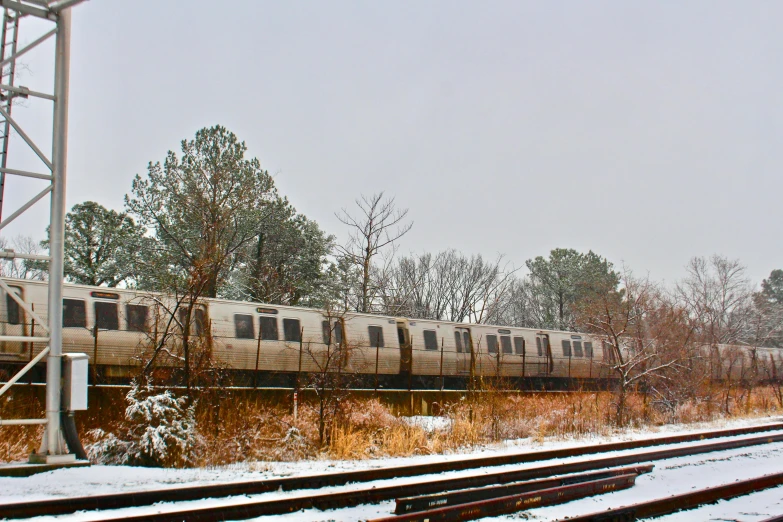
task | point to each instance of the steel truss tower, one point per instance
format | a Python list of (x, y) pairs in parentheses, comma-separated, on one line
[(53, 448)]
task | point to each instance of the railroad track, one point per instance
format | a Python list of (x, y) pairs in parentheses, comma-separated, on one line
[(693, 499), (512, 480)]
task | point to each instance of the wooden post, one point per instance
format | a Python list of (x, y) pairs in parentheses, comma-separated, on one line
[(258, 357), (299, 371), (377, 350), (95, 354), (442, 340), (32, 345)]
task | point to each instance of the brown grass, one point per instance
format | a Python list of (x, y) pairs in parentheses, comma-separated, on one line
[(242, 427)]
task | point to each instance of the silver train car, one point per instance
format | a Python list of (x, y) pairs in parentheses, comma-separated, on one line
[(272, 345)]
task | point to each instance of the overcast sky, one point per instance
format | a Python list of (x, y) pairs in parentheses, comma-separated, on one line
[(648, 132)]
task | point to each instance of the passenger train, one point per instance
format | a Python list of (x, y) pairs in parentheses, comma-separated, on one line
[(274, 345)]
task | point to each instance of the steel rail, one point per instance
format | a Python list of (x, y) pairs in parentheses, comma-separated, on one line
[(465, 496), (518, 502), (694, 499), (335, 500)]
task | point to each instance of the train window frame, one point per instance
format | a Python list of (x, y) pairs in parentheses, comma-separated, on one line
[(11, 304), (376, 337), (132, 325), (268, 334), (517, 350), (458, 341), (241, 324), (577, 345), (539, 347), (109, 318), (566, 344), (589, 349), (289, 334), (430, 340), (492, 343), (505, 344)]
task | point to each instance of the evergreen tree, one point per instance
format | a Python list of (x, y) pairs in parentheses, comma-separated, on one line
[(102, 246), (559, 283), (204, 208)]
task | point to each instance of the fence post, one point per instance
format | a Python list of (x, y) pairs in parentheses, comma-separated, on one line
[(258, 358), (377, 350), (95, 354), (32, 345)]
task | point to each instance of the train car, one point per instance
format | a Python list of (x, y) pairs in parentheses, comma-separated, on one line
[(121, 329)]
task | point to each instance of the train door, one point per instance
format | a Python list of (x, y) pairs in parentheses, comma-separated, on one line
[(13, 323), (546, 364), (464, 349), (406, 351)]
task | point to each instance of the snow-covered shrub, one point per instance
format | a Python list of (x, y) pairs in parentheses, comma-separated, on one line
[(159, 431)]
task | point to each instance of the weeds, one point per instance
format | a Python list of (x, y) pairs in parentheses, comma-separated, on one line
[(242, 428)]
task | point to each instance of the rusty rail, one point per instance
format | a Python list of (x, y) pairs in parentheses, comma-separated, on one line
[(353, 498), (694, 499), (350, 498), (518, 502), (465, 496)]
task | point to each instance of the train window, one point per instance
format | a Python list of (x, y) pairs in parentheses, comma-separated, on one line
[(198, 321), (327, 332), (505, 343), (268, 327), (578, 349), (430, 340), (136, 317), (566, 348), (243, 324), (376, 336), (609, 356), (291, 330), (589, 349), (492, 344), (74, 314), (466, 341), (12, 307), (538, 346), (338, 332), (458, 341), (106, 316), (519, 345)]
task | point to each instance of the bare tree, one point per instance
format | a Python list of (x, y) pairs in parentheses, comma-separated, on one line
[(378, 225), (618, 319), (19, 268), (719, 297)]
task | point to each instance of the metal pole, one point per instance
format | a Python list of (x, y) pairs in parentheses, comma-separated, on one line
[(52, 439)]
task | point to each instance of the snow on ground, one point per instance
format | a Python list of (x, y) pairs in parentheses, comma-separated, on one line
[(669, 477)]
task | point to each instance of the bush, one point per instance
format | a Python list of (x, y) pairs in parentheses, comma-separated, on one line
[(159, 431)]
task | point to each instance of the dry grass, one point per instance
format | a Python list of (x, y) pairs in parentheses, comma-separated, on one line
[(244, 428)]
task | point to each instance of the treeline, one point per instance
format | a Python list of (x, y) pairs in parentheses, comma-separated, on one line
[(209, 222)]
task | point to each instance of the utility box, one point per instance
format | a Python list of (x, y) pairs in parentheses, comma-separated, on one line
[(75, 370)]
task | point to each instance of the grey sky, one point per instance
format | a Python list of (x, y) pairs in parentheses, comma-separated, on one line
[(648, 132)]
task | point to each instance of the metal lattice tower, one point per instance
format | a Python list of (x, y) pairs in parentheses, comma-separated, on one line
[(53, 448), (8, 42)]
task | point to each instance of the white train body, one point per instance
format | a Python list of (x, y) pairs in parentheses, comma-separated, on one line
[(253, 338)]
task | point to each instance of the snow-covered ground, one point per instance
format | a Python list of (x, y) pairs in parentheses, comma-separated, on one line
[(669, 477)]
